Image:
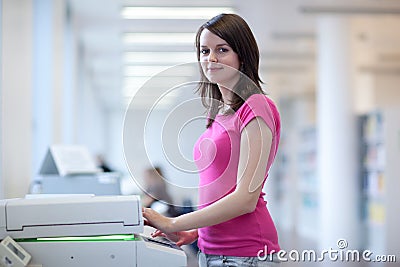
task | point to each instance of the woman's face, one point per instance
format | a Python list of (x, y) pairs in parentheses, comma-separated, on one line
[(219, 62)]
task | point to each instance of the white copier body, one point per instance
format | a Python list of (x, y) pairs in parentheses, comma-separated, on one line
[(99, 231)]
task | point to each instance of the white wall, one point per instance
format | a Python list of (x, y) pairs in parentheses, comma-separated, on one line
[(114, 130), (90, 116), (165, 137), (387, 90), (34, 90), (16, 105)]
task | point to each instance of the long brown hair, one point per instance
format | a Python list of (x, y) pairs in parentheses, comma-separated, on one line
[(237, 33)]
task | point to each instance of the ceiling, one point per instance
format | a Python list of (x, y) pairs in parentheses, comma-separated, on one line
[(285, 31)]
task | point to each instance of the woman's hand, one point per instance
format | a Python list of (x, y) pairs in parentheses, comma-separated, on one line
[(179, 238), (156, 220)]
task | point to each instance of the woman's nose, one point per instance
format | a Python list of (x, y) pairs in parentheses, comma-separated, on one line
[(212, 57)]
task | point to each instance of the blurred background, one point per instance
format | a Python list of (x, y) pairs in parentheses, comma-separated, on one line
[(69, 70)]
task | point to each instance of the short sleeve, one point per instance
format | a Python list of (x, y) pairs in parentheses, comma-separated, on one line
[(259, 105)]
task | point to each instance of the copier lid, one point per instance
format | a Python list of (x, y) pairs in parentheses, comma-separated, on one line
[(81, 214)]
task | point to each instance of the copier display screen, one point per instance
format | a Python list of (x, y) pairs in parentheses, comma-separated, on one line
[(165, 242), (16, 251)]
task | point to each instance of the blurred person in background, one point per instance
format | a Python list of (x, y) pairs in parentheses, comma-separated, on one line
[(156, 195), (101, 163)]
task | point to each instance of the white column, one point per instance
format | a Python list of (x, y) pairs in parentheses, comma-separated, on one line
[(69, 80), (43, 88), (1, 92), (50, 87), (58, 17), (337, 143), (16, 97)]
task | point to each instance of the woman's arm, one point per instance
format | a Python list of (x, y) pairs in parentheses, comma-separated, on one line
[(255, 145), (147, 200)]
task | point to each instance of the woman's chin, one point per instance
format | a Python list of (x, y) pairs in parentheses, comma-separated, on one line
[(216, 79)]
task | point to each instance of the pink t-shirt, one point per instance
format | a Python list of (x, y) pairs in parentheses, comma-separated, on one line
[(216, 154)]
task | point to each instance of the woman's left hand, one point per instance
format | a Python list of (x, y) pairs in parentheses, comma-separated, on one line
[(157, 220)]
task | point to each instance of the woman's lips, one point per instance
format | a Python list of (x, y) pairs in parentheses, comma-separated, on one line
[(212, 69)]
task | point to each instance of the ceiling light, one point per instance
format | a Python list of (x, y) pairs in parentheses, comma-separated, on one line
[(143, 70), (156, 82), (148, 71), (134, 83), (351, 10), (147, 104), (175, 38), (173, 12), (159, 57)]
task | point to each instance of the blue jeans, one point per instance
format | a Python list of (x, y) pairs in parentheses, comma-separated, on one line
[(206, 260)]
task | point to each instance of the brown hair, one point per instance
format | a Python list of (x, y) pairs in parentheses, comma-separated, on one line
[(237, 33)]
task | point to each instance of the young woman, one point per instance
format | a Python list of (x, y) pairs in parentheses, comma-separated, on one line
[(232, 225)]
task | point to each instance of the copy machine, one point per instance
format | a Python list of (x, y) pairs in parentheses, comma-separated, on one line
[(83, 230), (70, 169)]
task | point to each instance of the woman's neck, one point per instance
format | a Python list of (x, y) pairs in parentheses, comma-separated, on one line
[(226, 95), (226, 90)]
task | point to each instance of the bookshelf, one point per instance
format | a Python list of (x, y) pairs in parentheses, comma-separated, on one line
[(372, 174), (308, 183), (379, 173), (282, 177)]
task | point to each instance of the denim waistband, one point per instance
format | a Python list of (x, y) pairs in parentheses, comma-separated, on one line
[(268, 258)]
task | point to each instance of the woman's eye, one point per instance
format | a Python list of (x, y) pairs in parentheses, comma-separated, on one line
[(204, 51), (223, 50)]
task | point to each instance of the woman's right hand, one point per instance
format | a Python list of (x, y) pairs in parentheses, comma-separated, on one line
[(179, 238)]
